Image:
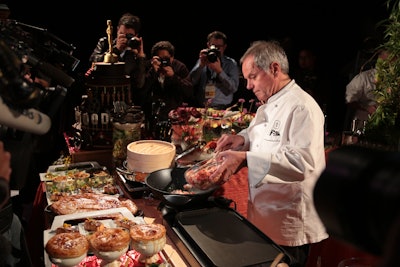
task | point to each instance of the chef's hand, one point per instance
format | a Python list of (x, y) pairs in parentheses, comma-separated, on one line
[(229, 141), (230, 163)]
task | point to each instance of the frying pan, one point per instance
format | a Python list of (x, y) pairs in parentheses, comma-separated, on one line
[(164, 181)]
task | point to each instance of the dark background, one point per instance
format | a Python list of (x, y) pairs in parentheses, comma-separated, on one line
[(334, 29)]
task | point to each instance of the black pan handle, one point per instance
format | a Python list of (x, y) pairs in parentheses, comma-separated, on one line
[(178, 200)]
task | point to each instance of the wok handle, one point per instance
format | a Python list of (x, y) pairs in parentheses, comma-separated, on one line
[(178, 200)]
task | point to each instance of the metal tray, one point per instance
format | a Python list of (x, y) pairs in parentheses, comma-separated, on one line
[(222, 237)]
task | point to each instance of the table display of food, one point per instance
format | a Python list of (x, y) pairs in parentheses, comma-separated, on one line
[(72, 179), (91, 225), (190, 125), (110, 237), (91, 219)]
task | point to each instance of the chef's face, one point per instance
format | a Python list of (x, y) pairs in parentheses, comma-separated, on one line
[(261, 82)]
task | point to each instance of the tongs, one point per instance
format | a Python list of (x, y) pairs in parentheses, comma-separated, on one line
[(188, 150)]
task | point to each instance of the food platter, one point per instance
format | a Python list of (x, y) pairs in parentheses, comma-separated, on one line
[(70, 179), (77, 219), (77, 165), (59, 220)]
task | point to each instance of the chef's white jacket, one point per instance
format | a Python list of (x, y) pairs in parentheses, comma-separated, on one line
[(286, 157)]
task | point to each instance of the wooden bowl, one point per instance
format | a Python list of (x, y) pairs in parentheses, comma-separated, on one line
[(147, 156)]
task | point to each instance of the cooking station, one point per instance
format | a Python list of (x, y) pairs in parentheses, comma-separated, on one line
[(206, 230), (203, 229)]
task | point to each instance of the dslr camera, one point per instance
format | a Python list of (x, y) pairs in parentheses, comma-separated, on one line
[(213, 54), (133, 41), (165, 61)]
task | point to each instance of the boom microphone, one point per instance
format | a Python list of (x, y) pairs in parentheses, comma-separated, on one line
[(28, 120)]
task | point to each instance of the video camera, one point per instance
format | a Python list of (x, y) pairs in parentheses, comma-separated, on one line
[(26, 53)]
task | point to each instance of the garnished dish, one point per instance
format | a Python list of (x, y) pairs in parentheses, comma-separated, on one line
[(67, 249), (67, 228), (125, 223), (75, 181), (92, 224)]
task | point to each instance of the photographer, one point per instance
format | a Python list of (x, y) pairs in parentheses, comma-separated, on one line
[(215, 76), (167, 83), (129, 49)]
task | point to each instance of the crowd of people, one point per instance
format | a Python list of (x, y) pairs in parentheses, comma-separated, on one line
[(215, 80), (283, 147)]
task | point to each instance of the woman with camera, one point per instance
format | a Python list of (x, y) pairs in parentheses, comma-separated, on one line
[(167, 84), (215, 76)]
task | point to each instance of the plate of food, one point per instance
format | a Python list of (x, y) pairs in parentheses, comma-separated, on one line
[(90, 202), (75, 181)]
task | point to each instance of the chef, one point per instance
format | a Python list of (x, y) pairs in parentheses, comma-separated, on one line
[(283, 148)]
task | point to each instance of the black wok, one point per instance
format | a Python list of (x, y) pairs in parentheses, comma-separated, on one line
[(163, 182)]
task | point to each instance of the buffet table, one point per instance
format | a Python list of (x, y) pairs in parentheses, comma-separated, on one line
[(327, 253), (40, 222)]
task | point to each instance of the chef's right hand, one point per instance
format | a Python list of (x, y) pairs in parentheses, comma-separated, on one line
[(229, 141)]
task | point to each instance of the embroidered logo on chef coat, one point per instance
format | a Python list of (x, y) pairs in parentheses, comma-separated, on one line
[(275, 129)]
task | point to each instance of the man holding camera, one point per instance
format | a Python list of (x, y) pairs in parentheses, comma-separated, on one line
[(167, 84), (215, 76), (128, 47)]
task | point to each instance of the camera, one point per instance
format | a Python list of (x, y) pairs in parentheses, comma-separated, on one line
[(213, 54), (133, 41), (29, 50), (165, 61)]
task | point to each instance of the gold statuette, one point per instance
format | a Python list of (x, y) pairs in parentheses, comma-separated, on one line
[(109, 56)]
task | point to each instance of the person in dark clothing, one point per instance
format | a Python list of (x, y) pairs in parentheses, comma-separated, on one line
[(167, 83), (128, 47), (13, 247)]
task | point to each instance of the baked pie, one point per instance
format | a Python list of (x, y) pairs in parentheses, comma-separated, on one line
[(109, 243), (67, 249)]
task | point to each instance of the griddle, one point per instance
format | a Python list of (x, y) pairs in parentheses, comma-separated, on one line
[(222, 237)]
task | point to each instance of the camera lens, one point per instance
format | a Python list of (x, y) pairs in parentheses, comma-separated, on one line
[(165, 61), (212, 57), (133, 42), (213, 54)]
